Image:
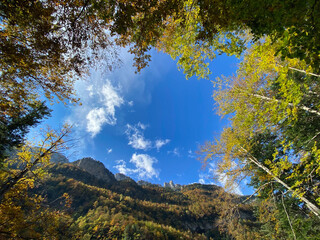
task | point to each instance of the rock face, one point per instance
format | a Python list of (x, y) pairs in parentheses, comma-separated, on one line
[(95, 168), (58, 158), (122, 177), (144, 183), (172, 186)]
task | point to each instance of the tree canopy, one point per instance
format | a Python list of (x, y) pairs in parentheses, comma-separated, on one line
[(176, 27)]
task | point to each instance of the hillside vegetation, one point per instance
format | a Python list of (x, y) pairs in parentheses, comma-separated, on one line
[(100, 209)]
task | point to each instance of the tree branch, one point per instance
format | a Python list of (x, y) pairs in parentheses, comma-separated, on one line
[(302, 71), (12, 181), (312, 207), (285, 210)]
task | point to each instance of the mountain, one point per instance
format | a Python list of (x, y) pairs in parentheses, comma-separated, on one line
[(95, 168), (122, 177), (104, 206), (58, 158), (172, 186)]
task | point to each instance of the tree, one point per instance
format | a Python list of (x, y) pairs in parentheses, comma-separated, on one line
[(46, 45), (181, 28), (294, 23), (174, 28), (14, 127), (23, 213), (180, 39), (29, 158), (270, 102)]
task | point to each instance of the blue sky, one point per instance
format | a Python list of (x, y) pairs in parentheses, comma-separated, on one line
[(147, 125)]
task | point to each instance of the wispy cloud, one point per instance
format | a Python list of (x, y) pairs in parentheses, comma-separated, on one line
[(175, 152), (202, 179), (143, 166), (135, 134), (99, 101), (206, 177), (191, 154), (111, 98), (160, 143), (212, 176), (223, 179), (95, 120), (97, 117), (136, 137), (122, 167), (109, 150)]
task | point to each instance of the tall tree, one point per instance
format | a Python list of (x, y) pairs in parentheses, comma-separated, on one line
[(14, 127), (269, 102), (46, 45), (24, 215), (182, 28)]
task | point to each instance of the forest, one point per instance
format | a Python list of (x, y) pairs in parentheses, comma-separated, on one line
[(272, 104)]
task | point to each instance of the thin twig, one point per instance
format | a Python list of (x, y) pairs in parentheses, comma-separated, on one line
[(258, 190), (284, 207)]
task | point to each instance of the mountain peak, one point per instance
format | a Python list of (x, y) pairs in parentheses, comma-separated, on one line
[(95, 168), (172, 185), (122, 177), (58, 158)]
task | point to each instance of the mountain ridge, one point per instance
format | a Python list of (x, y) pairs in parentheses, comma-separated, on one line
[(98, 169), (125, 209)]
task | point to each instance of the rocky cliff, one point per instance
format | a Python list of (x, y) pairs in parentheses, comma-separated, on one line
[(122, 177), (172, 186), (95, 168)]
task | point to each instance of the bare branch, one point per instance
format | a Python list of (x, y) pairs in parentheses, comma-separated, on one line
[(285, 210)]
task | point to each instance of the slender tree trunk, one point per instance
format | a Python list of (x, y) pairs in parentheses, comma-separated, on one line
[(302, 71), (312, 207), (290, 104)]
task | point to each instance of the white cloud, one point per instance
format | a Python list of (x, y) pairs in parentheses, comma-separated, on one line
[(223, 179), (175, 152), (90, 90), (160, 143), (138, 141), (191, 154), (142, 126), (205, 178), (122, 167), (111, 99), (95, 119), (130, 103), (109, 150), (99, 101), (212, 176), (136, 137), (143, 166), (202, 181), (98, 105)]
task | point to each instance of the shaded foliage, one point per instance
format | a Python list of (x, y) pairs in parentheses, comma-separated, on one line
[(14, 128)]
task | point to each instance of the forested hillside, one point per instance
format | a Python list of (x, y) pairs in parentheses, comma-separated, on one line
[(100, 209)]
